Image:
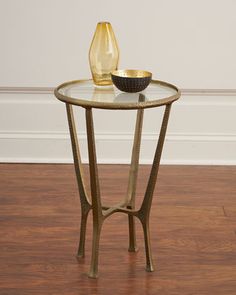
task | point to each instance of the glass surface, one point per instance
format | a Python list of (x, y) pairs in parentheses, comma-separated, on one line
[(88, 92), (103, 54)]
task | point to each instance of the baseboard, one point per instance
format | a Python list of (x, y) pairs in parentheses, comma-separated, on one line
[(186, 149), (202, 129)]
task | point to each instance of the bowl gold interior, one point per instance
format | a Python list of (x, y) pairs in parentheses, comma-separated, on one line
[(131, 73)]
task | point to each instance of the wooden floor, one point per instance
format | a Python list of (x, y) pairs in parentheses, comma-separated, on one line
[(193, 233)]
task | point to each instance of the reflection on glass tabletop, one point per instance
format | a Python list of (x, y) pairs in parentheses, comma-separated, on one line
[(84, 93)]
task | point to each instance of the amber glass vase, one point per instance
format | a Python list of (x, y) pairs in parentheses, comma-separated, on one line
[(103, 54)]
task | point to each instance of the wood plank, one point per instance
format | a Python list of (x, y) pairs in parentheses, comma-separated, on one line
[(192, 232)]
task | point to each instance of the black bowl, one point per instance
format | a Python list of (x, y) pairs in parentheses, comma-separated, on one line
[(131, 80)]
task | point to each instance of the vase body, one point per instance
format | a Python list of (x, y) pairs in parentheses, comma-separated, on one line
[(103, 54)]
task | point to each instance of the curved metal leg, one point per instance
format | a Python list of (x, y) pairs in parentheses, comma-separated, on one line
[(133, 174), (95, 194), (84, 201), (147, 201), (144, 212)]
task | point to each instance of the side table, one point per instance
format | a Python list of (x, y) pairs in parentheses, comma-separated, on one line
[(85, 94)]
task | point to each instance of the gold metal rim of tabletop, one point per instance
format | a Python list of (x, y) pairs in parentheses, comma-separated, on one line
[(116, 106)]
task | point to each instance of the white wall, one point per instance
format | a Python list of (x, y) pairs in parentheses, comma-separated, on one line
[(189, 43)]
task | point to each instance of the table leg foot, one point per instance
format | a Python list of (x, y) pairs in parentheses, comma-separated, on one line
[(149, 262), (93, 273), (80, 254), (149, 268), (83, 224), (133, 249)]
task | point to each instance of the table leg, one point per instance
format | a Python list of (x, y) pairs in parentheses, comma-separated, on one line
[(133, 174), (98, 217), (144, 212), (84, 201), (95, 194)]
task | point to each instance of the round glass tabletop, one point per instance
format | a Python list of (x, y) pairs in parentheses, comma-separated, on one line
[(84, 93)]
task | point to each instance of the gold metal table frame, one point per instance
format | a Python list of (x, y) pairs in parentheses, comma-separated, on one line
[(127, 206)]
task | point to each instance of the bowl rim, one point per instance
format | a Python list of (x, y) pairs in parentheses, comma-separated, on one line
[(117, 73)]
